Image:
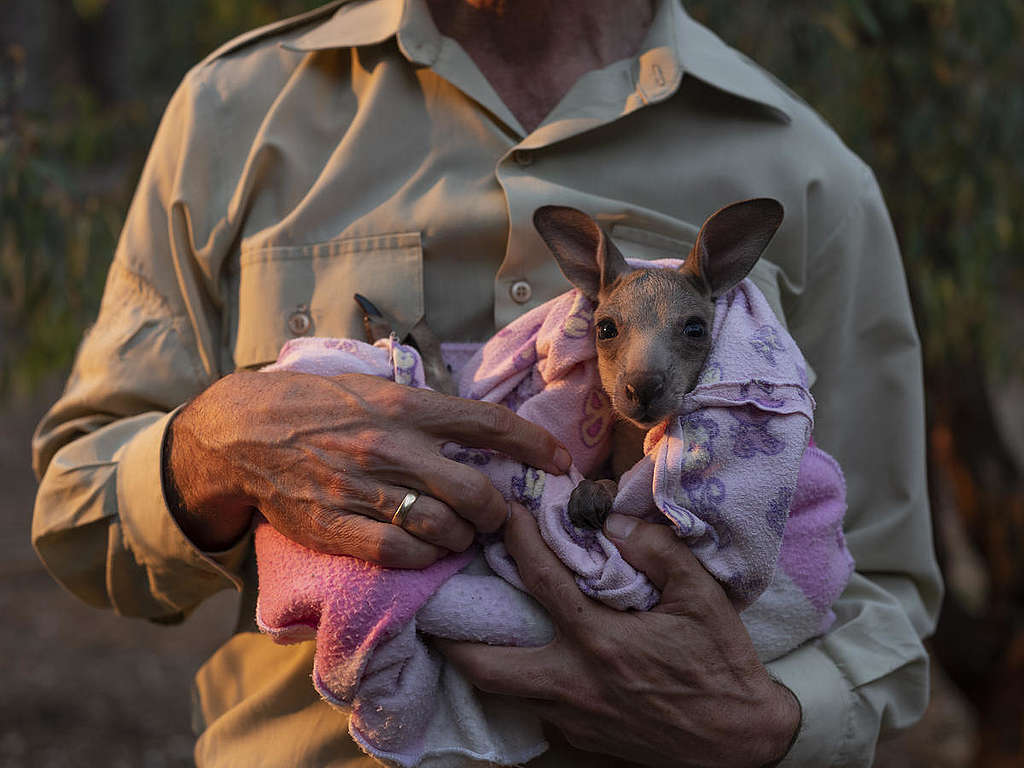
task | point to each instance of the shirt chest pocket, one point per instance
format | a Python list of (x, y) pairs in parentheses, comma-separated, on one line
[(287, 292)]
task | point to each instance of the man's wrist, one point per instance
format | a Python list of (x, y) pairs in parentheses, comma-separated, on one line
[(787, 720), (211, 532)]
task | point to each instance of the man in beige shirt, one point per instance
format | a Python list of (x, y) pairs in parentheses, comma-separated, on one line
[(391, 148)]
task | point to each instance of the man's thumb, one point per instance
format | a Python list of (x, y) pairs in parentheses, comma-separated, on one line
[(653, 549)]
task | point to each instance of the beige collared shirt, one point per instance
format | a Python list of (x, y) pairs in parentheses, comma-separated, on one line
[(356, 149)]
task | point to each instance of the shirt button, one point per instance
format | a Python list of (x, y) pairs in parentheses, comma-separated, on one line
[(523, 157), (299, 322), (520, 292)]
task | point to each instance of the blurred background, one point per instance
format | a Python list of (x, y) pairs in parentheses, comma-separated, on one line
[(929, 92)]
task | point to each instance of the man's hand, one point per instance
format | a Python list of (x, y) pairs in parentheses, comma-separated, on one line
[(678, 685), (328, 460)]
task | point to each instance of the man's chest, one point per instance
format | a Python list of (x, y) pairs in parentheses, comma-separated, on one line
[(405, 189)]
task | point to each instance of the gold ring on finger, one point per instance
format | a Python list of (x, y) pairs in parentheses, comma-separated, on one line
[(403, 509)]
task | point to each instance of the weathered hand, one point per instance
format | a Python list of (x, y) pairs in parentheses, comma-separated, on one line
[(678, 685), (328, 460)]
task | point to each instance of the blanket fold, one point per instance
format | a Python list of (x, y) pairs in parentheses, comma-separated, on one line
[(732, 473)]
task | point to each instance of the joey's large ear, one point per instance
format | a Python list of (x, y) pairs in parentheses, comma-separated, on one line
[(730, 243), (586, 256)]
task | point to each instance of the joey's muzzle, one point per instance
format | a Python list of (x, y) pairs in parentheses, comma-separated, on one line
[(645, 389), (645, 398)]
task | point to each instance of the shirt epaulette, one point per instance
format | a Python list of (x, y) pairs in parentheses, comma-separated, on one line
[(277, 27)]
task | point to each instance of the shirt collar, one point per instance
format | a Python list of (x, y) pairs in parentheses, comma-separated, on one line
[(675, 44), (367, 22), (703, 55)]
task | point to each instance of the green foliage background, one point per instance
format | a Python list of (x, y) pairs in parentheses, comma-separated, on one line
[(927, 91)]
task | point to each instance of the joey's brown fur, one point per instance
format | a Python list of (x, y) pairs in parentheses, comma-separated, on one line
[(652, 326)]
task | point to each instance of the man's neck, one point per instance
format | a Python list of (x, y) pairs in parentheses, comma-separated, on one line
[(532, 51)]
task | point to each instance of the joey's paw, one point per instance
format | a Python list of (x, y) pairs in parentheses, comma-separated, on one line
[(591, 503)]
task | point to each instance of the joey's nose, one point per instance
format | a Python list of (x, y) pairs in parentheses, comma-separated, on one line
[(643, 390)]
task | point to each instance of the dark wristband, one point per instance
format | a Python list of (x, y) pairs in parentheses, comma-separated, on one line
[(172, 495)]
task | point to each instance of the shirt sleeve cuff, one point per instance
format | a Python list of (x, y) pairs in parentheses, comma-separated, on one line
[(179, 573), (825, 700)]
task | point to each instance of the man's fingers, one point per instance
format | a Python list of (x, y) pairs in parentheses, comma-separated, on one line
[(488, 425), (666, 560), (429, 518), (433, 521), (454, 419), (545, 576), (466, 490), (370, 540), (531, 673)]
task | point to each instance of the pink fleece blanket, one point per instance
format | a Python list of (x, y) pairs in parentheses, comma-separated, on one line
[(732, 472)]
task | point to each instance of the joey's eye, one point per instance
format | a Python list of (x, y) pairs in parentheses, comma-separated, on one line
[(606, 329), (694, 328)]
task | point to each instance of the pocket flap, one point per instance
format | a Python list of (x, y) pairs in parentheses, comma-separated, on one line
[(306, 290)]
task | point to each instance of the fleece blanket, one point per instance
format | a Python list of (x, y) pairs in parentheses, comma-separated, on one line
[(733, 473)]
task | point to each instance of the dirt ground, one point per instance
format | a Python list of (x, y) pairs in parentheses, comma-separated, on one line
[(83, 687)]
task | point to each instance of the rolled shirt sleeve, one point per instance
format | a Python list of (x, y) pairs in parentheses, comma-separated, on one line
[(101, 524), (869, 674)]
